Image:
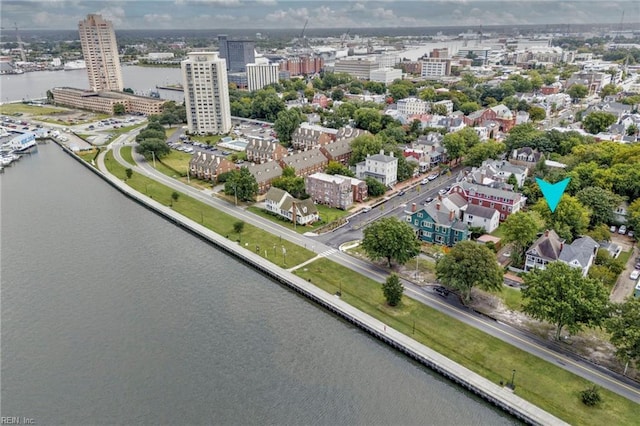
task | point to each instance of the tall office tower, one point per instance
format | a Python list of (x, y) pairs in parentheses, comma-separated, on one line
[(100, 52), (206, 93), (260, 75), (237, 53)]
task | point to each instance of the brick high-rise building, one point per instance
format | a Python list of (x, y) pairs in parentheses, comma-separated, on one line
[(100, 51), (302, 65)]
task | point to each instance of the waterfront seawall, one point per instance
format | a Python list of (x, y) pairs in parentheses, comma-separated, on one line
[(491, 392)]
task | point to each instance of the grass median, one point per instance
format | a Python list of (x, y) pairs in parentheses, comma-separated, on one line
[(267, 245), (549, 387)]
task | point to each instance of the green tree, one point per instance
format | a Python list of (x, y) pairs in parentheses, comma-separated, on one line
[(405, 168), (633, 216), (335, 168), (391, 239), (569, 220), (469, 107), (149, 133), (454, 145), (469, 265), (129, 173), (375, 188), (392, 290), (286, 123), (609, 89), (238, 227), (483, 151), (118, 109), (363, 145), (241, 184), (601, 202), (537, 113), (624, 327), (577, 92), (368, 119), (266, 104), (438, 109), (560, 295), (598, 121), (521, 229), (150, 147), (337, 94)]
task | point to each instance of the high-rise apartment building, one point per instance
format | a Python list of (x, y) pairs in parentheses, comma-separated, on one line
[(237, 53), (206, 93), (260, 75), (100, 51)]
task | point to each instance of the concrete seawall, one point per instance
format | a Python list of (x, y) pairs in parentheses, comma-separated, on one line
[(491, 392)]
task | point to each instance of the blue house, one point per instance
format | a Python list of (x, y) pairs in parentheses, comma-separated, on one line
[(439, 223)]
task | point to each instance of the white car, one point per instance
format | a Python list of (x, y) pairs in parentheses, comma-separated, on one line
[(442, 191), (635, 274)]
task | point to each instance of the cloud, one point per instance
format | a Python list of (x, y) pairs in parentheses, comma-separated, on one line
[(115, 14), (267, 2), (156, 18)]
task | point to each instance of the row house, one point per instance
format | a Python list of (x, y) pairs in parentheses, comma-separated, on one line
[(500, 114), (349, 133), (506, 202), (260, 150), (551, 248), (438, 223), (320, 100), (285, 205), (383, 168), (305, 162), (339, 151), (264, 174), (207, 166), (481, 217), (309, 136), (432, 146)]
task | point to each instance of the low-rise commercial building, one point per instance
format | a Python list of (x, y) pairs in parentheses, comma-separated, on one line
[(105, 101)]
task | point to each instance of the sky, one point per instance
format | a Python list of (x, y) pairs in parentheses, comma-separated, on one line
[(275, 14)]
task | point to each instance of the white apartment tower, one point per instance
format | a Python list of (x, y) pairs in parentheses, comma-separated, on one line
[(260, 75), (100, 51), (206, 93)]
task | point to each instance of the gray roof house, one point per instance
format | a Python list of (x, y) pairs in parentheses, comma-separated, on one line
[(284, 204), (551, 248)]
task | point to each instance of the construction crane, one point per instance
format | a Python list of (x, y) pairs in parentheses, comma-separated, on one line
[(303, 29), (23, 57)]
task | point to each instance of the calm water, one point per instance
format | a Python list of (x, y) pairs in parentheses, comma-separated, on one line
[(35, 84), (112, 315)]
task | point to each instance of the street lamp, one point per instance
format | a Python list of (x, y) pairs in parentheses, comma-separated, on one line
[(513, 377)]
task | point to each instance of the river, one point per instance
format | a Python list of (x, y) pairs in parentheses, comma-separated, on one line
[(30, 85), (111, 315)]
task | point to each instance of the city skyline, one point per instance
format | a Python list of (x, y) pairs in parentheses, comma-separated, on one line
[(274, 14)]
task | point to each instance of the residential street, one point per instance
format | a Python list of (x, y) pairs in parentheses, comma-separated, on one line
[(327, 246)]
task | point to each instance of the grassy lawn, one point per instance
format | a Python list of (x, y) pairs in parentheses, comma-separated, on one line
[(170, 131), (624, 256), (127, 154), (88, 155), (210, 140), (214, 219), (117, 132), (512, 298), (10, 109), (543, 384), (175, 161), (499, 232)]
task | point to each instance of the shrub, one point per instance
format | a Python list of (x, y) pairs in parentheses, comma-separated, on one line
[(591, 396)]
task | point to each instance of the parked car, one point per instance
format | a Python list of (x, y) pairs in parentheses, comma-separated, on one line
[(634, 274), (424, 181), (401, 193), (428, 200), (432, 176), (442, 191), (630, 233), (612, 229), (442, 291), (622, 230)]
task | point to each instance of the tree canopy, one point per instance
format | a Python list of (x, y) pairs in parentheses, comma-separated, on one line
[(286, 123), (598, 121), (569, 220), (624, 327), (560, 295), (392, 239), (469, 265), (521, 229), (242, 184)]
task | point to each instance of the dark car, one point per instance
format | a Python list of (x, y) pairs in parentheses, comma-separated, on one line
[(442, 291), (428, 200), (401, 193)]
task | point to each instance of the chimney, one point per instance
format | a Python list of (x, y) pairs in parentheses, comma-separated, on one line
[(561, 245), (382, 152), (452, 215), (546, 233), (437, 206), (391, 153), (413, 207)]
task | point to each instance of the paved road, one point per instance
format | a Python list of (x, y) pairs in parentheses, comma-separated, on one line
[(550, 351)]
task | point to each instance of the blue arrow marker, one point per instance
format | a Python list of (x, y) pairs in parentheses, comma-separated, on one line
[(553, 191)]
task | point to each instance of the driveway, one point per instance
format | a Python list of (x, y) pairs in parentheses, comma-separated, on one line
[(624, 286)]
